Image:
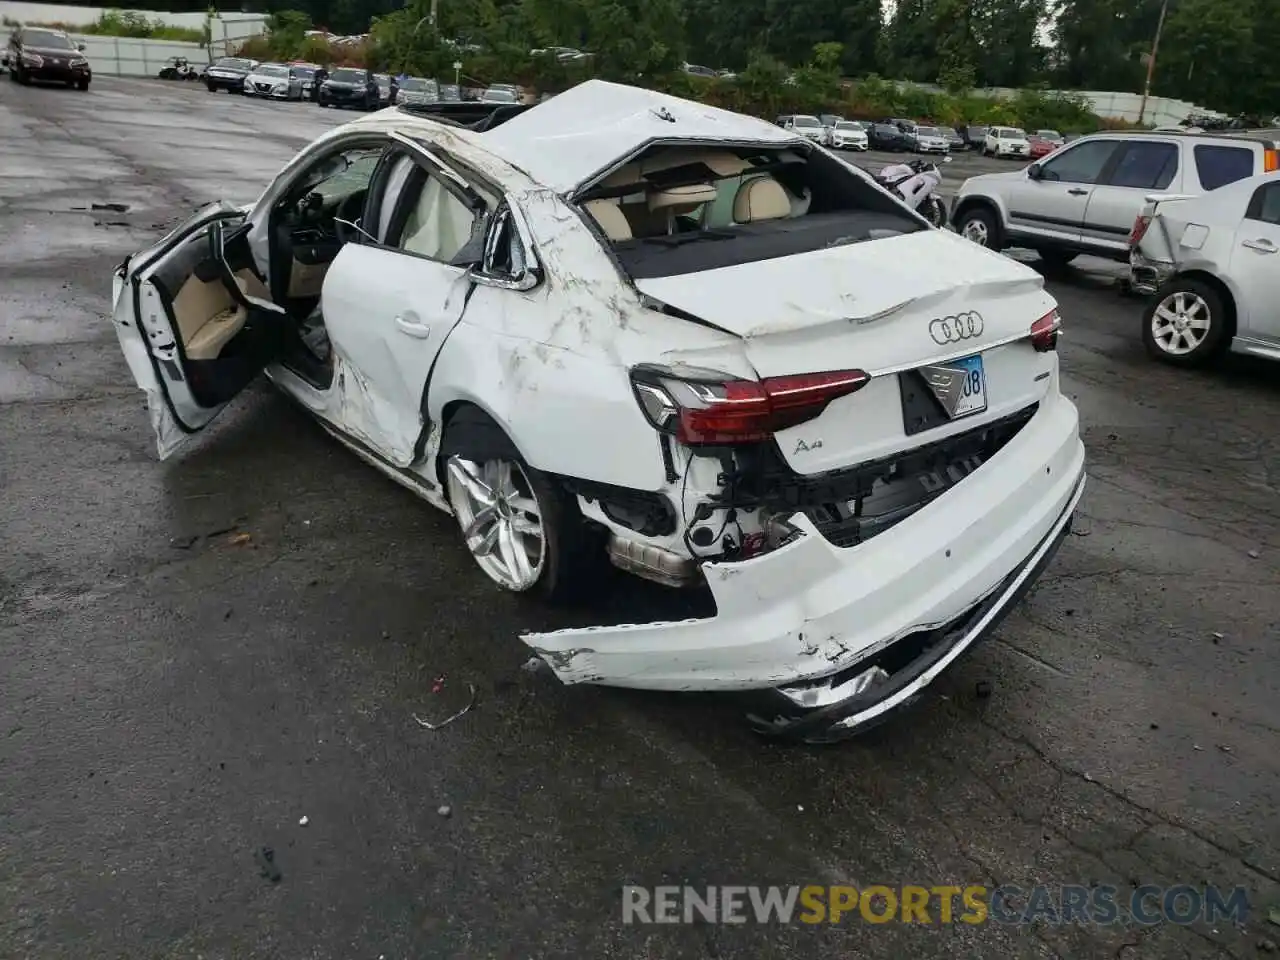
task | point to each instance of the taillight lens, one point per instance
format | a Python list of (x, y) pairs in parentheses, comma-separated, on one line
[(717, 410), (1044, 332), (1270, 161), (1139, 230)]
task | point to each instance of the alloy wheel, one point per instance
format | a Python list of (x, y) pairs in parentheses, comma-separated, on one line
[(976, 231), (1180, 322), (500, 518)]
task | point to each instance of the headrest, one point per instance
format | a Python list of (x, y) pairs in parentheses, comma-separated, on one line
[(688, 196), (610, 218), (761, 199)]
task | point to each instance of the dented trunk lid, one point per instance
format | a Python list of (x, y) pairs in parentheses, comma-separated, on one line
[(887, 307)]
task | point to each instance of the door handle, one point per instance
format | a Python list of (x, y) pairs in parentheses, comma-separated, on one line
[(1262, 246), (412, 328), (1077, 192)]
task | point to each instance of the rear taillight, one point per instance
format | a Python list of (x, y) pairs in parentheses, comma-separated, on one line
[(1139, 230), (1270, 160), (703, 409), (1044, 332)]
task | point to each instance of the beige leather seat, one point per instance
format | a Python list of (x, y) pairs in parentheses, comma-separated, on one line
[(610, 218), (761, 199)]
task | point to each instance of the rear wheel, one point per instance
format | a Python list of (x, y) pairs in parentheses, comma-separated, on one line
[(935, 211), (1185, 324), (523, 529), (1056, 258), (213, 87), (82, 85)]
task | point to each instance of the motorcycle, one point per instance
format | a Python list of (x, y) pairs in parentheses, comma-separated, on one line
[(179, 69), (915, 183)]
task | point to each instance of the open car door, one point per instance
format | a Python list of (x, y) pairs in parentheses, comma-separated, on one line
[(195, 322)]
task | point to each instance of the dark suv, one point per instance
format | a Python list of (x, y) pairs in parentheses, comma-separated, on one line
[(349, 87), (37, 54)]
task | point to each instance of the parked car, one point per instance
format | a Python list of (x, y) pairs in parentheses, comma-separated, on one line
[(450, 92), (828, 121), (976, 137), (806, 126), (1040, 148), (387, 89), (1049, 136), (47, 55), (848, 135), (228, 73), (1212, 267), (1083, 197), (1007, 142), (349, 87), (273, 81), (795, 419), (888, 136), (418, 90), (906, 126), (309, 74), (698, 71), (931, 140), (500, 93), (954, 140)]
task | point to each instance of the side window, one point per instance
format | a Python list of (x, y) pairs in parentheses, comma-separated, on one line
[(1079, 164), (1218, 166), (1145, 164), (437, 223), (1265, 205)]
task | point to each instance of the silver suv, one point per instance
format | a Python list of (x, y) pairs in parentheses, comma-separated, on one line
[(1085, 196)]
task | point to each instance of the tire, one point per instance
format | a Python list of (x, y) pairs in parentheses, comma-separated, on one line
[(213, 87), (22, 77), (935, 211), (1054, 257), (569, 552), (981, 226), (82, 85), (1184, 301)]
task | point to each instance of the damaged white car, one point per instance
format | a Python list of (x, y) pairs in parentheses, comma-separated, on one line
[(622, 327)]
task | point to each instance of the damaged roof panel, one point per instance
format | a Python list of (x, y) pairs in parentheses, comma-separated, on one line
[(567, 140)]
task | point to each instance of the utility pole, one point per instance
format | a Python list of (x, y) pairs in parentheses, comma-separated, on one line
[(1151, 61)]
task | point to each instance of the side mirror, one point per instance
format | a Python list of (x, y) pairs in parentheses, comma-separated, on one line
[(80, 47), (1034, 172)]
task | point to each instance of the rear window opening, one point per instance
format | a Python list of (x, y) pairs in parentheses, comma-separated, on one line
[(684, 209)]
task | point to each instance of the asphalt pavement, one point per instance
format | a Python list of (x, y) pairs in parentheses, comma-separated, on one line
[(196, 655)]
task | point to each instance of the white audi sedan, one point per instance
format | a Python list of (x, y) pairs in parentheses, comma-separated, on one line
[(620, 327)]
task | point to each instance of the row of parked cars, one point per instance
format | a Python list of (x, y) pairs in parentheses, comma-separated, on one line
[(339, 87), (899, 135)]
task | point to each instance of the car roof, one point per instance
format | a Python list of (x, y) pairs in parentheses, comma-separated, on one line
[(1270, 138), (567, 141)]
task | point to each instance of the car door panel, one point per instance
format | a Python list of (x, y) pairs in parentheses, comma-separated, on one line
[(1138, 168), (1053, 205), (388, 313), (1255, 267), (190, 342)]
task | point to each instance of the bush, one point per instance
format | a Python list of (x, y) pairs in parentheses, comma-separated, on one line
[(114, 23)]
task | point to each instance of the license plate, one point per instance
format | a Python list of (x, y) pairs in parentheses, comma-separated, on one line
[(960, 386)]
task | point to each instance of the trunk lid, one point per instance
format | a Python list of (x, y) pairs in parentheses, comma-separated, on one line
[(886, 307)]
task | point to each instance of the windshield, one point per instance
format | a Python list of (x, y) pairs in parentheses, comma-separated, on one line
[(806, 122), (305, 72), (347, 75), (1013, 133), (234, 63), (413, 83), (848, 125), (505, 96), (1049, 134), (948, 132), (47, 38), (272, 70), (927, 131)]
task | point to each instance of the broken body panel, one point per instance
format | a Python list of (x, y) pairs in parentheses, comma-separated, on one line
[(898, 504)]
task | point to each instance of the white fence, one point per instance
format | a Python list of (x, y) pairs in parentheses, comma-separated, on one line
[(83, 16), (130, 57)]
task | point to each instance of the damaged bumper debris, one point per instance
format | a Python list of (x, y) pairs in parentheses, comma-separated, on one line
[(832, 639)]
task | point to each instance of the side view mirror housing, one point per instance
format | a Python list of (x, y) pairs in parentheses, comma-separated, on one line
[(1034, 172)]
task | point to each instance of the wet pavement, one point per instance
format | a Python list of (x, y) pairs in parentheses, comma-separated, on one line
[(176, 695)]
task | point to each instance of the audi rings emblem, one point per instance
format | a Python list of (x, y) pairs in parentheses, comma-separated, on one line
[(962, 326)]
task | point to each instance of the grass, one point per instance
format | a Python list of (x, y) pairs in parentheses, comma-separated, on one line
[(114, 23)]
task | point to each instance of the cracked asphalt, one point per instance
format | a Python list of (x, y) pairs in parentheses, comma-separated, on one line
[(174, 696)]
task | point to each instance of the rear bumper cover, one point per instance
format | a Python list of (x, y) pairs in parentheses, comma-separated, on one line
[(1146, 276), (810, 613)]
